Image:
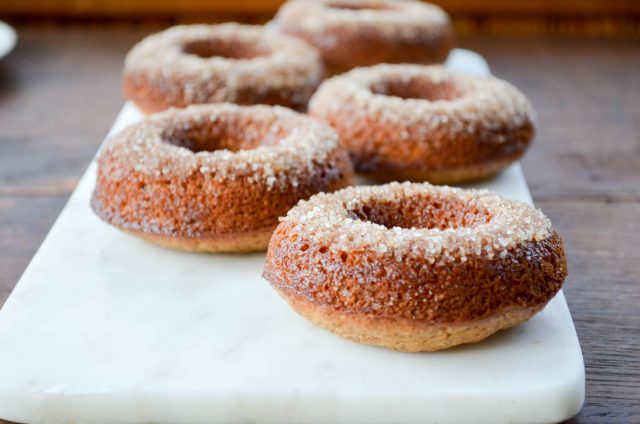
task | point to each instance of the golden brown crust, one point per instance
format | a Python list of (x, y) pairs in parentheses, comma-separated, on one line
[(151, 96), (217, 200), (241, 64), (236, 243), (228, 217), (424, 123), (352, 33), (461, 175), (405, 335), (376, 285), (464, 273)]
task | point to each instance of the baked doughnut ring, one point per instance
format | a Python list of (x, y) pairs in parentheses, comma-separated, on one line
[(234, 63), (351, 33), (425, 123), (415, 267), (215, 177)]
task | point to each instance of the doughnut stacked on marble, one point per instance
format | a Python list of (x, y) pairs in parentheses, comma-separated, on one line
[(351, 33), (242, 64), (415, 267), (215, 178), (425, 123)]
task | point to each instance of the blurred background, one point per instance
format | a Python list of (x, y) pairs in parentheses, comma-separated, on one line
[(577, 60), (594, 17)]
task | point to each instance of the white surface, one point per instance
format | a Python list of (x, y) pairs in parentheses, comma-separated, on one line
[(461, 60), (105, 328), (8, 39)]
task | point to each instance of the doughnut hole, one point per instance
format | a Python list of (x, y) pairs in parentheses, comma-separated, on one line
[(417, 88), (224, 133), (346, 5), (427, 212), (228, 49)]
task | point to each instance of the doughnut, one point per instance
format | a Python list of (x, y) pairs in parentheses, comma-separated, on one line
[(425, 123), (351, 33), (215, 177), (234, 63), (415, 267)]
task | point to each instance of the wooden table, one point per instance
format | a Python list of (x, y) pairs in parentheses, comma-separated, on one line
[(60, 92)]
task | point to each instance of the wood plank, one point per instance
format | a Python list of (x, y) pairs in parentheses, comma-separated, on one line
[(586, 97), (24, 221), (469, 7), (58, 97), (589, 17), (603, 251)]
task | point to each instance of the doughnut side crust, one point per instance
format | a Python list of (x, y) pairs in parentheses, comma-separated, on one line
[(363, 33), (200, 213), (152, 92), (236, 243), (411, 305), (405, 336)]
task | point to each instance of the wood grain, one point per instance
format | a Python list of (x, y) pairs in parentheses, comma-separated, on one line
[(59, 93), (257, 7), (595, 17), (586, 96)]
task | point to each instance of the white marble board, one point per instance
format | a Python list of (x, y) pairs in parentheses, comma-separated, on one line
[(105, 328)]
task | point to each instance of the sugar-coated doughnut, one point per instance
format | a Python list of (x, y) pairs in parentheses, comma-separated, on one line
[(215, 177), (425, 123), (351, 33), (415, 267), (235, 63)]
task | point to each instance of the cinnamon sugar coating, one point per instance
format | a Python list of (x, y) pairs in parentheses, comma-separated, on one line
[(214, 173), (416, 254), (351, 33), (425, 122), (242, 64)]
